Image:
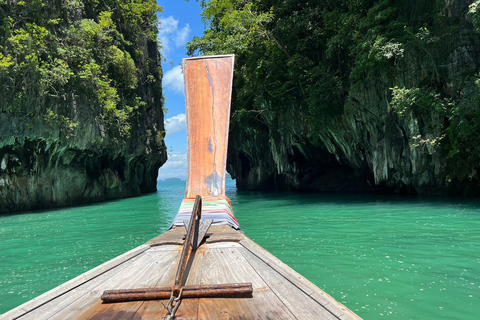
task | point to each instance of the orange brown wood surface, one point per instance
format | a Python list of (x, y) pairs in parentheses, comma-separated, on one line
[(208, 87)]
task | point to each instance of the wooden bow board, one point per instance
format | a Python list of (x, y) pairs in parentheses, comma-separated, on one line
[(208, 89)]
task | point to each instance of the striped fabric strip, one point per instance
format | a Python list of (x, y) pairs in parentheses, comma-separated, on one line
[(217, 209)]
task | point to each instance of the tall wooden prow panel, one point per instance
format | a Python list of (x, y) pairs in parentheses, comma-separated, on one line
[(208, 90)]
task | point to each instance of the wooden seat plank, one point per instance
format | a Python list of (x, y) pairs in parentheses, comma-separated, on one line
[(173, 236), (224, 233)]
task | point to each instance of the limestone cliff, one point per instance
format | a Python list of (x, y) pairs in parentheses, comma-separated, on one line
[(406, 122), (81, 102)]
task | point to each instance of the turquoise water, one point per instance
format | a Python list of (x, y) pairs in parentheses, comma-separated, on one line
[(383, 257)]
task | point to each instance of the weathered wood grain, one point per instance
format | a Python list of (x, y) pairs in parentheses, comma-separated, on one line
[(222, 245), (168, 247), (176, 236), (227, 265), (297, 301), (146, 272), (64, 301), (224, 233), (208, 88), (276, 264), (155, 309), (335, 307), (173, 236), (189, 307)]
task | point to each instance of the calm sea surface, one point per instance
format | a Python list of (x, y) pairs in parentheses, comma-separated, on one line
[(383, 257)]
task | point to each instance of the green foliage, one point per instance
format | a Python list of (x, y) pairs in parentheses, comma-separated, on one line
[(462, 120), (85, 48), (464, 129), (313, 56), (474, 11), (54, 76), (421, 100), (427, 143), (302, 53), (5, 62), (66, 125), (421, 103), (278, 47), (160, 137)]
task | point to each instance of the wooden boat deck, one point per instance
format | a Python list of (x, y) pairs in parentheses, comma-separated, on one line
[(227, 256)]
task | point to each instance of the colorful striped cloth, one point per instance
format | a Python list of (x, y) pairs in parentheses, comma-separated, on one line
[(217, 208)]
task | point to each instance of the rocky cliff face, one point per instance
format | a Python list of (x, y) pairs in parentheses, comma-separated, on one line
[(371, 147), (41, 168), (78, 125)]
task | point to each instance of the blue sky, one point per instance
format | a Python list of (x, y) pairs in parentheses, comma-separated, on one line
[(179, 23)]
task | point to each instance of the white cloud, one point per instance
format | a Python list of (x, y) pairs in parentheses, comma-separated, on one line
[(175, 167), (176, 123), (182, 36), (170, 35), (173, 79), (168, 25)]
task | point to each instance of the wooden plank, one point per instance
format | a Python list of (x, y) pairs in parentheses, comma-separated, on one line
[(228, 265), (222, 245), (188, 308), (72, 284), (174, 236), (149, 310), (154, 309), (208, 88), (296, 300), (299, 281), (167, 247), (275, 263), (144, 273), (224, 233), (64, 301), (336, 307)]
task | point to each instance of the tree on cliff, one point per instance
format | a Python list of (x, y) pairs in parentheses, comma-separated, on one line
[(50, 49), (318, 57), (80, 101)]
